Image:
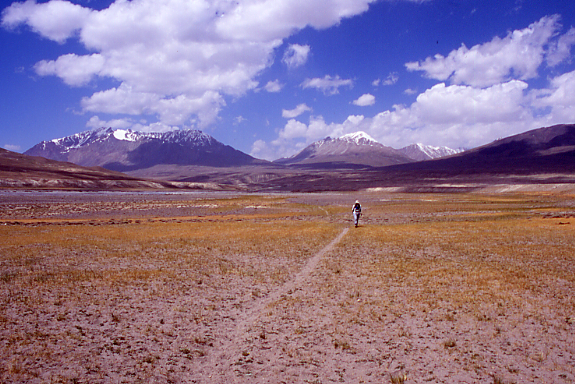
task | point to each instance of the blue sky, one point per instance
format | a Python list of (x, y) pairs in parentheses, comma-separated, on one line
[(269, 77)]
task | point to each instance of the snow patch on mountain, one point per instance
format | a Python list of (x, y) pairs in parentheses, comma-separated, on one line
[(359, 138), (421, 152), (125, 135)]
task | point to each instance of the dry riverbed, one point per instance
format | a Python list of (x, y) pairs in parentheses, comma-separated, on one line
[(222, 288)]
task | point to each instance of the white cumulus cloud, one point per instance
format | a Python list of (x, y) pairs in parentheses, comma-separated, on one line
[(296, 55), (261, 150), (364, 100), (328, 85), (291, 113), (462, 104), (56, 20), (74, 70), (273, 86)]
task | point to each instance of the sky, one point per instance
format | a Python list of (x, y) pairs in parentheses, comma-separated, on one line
[(269, 77)]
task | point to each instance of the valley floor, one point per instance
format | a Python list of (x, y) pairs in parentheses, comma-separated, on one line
[(224, 288)]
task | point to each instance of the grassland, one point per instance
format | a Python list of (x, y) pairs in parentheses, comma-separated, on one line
[(440, 288)]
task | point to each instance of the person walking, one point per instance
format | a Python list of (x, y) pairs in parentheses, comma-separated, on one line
[(356, 212)]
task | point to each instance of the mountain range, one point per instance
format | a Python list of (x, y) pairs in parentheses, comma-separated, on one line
[(541, 156), (127, 151), (360, 149)]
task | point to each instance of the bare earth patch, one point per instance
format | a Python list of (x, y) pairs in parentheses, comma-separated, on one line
[(203, 288)]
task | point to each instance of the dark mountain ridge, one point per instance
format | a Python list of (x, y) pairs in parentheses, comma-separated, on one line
[(542, 150)]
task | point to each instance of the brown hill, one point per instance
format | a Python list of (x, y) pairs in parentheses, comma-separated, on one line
[(32, 172)]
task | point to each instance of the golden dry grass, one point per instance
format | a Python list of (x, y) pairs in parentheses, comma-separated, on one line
[(486, 255), (108, 253)]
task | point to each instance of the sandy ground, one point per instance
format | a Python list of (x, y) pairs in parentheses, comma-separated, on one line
[(280, 304)]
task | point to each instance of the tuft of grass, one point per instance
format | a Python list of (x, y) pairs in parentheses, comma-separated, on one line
[(398, 377), (499, 380), (343, 344)]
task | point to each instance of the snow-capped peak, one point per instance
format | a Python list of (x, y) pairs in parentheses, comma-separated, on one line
[(359, 137)]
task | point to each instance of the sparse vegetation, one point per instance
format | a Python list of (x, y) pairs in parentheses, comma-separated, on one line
[(455, 287)]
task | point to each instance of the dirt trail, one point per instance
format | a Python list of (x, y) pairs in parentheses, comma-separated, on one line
[(223, 358)]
